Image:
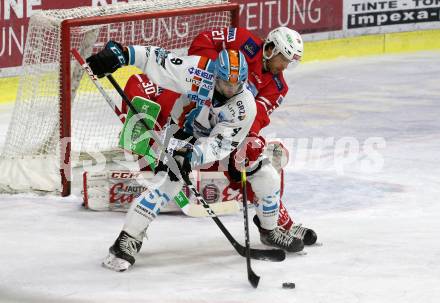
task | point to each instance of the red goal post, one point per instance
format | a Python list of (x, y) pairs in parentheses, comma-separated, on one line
[(65, 70)]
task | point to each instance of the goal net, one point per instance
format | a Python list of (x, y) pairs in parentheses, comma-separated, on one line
[(59, 118)]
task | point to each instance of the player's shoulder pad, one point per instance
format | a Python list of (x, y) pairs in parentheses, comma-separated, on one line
[(244, 32), (249, 44)]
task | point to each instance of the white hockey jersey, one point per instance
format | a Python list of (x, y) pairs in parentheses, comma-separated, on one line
[(218, 126)]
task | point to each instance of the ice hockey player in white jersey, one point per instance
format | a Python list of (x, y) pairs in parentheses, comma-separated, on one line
[(215, 112)]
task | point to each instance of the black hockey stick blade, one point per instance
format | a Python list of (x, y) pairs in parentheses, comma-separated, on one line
[(274, 255), (253, 278)]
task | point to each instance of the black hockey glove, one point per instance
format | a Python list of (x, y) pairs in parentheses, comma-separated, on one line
[(183, 159), (108, 60)]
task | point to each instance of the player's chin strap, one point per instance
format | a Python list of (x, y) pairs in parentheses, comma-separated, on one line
[(275, 51), (266, 58)]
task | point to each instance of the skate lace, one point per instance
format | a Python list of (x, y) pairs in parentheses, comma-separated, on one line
[(128, 245), (280, 237), (298, 231)]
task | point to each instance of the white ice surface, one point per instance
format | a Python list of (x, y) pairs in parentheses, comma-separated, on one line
[(379, 229)]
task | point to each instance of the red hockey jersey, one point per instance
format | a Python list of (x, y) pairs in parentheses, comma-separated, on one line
[(269, 90), (141, 85)]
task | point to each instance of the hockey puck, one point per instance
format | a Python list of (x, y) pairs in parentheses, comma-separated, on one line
[(290, 285)]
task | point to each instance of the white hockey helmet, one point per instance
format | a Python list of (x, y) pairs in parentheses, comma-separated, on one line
[(287, 42)]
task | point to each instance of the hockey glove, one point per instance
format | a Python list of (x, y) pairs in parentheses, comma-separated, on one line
[(252, 148), (183, 159), (108, 60)]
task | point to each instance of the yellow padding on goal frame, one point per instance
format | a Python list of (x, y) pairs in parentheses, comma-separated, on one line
[(8, 89), (316, 50)]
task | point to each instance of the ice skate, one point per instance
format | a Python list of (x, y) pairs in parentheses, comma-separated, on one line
[(307, 235), (122, 253), (279, 238)]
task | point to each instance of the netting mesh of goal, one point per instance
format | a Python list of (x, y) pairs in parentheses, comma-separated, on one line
[(35, 125)]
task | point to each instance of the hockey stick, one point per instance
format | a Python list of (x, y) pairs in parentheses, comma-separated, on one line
[(271, 255), (252, 277), (276, 255), (189, 209)]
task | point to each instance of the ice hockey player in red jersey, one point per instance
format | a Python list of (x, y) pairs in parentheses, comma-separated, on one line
[(214, 112), (267, 59), (267, 84)]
